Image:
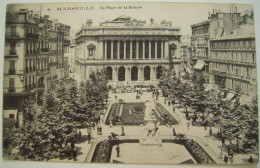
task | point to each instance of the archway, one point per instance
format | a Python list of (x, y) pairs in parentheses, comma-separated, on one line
[(147, 70), (159, 72), (109, 73), (134, 73), (121, 73)]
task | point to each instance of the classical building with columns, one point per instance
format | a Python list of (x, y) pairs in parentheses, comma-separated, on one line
[(132, 52)]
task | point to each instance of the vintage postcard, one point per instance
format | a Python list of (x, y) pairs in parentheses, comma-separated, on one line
[(154, 83)]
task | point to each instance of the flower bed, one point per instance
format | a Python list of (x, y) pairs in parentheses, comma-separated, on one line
[(102, 152), (165, 116), (112, 113), (135, 118)]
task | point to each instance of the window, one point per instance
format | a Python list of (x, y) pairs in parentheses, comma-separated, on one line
[(11, 85), (13, 31), (247, 45), (12, 67), (11, 116)]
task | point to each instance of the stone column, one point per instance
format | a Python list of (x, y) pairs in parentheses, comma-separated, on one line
[(162, 49), (166, 49), (150, 50), (105, 50), (112, 51), (137, 49), (131, 49), (143, 49), (118, 49), (124, 49), (101, 50), (155, 49)]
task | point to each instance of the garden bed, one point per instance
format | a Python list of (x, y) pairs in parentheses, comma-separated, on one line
[(135, 118), (165, 116)]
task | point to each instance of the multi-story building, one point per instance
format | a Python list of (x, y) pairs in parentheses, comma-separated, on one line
[(228, 47), (200, 48), (132, 52), (20, 77), (28, 59), (233, 62)]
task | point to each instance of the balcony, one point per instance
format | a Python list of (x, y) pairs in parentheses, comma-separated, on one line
[(11, 34), (11, 90), (32, 35), (45, 50), (52, 64), (13, 52), (12, 71), (218, 73)]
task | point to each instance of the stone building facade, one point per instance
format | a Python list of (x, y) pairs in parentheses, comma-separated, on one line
[(200, 49), (223, 50), (233, 63), (32, 60), (132, 52)]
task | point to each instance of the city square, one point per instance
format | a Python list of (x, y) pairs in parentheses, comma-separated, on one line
[(130, 90)]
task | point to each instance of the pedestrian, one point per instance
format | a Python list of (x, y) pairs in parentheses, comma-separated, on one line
[(225, 159), (111, 123), (79, 135), (188, 125), (231, 159), (173, 131), (94, 125), (115, 97), (231, 153), (74, 155), (89, 138), (223, 141), (173, 109), (218, 134), (250, 160), (228, 149), (123, 130), (118, 151), (205, 125), (210, 131), (187, 115), (72, 145)]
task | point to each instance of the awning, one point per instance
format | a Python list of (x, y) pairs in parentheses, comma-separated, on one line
[(199, 65), (229, 97)]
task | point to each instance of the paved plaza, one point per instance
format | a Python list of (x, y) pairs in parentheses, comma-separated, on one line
[(193, 132)]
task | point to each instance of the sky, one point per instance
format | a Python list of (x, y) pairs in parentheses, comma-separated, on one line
[(181, 14)]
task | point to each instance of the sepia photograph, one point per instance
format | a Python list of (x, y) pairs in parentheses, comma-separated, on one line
[(130, 83)]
